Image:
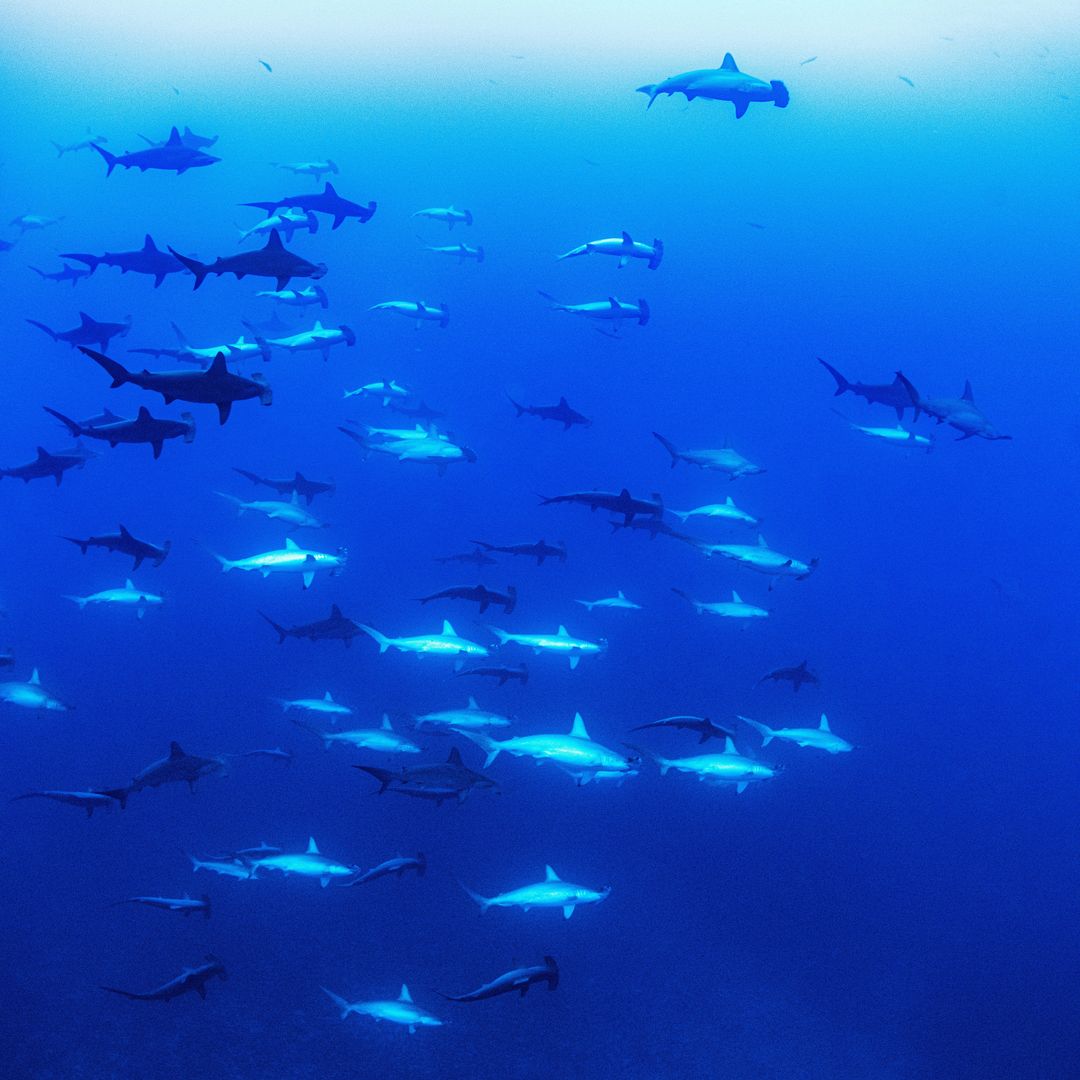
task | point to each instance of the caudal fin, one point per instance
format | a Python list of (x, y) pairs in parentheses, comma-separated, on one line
[(767, 734), (842, 385), (382, 639), (483, 901), (111, 160), (119, 373), (487, 744), (282, 633), (340, 1002), (200, 270), (668, 446)]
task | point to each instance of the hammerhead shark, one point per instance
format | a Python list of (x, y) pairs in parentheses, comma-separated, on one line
[(88, 332), (725, 83), (895, 395), (794, 675), (47, 464), (336, 627), (272, 261), (189, 979), (328, 201), (147, 260), (143, 429), (297, 484), (188, 138), (561, 413), (126, 544), (74, 274), (214, 386), (174, 156)]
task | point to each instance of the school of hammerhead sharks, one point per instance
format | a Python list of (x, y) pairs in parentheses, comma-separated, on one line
[(212, 376)]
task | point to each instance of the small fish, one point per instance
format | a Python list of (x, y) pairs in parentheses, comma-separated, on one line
[(905, 79), (808, 60), (264, 64)]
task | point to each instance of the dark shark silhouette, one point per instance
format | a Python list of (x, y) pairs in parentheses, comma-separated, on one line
[(215, 385), (188, 138), (336, 627), (74, 274), (88, 332), (476, 557), (272, 261), (446, 780), (705, 728), (126, 544), (396, 866), (794, 675), (960, 413), (300, 484), (422, 412), (894, 394), (172, 156), (561, 413), (478, 594), (622, 503), (540, 551), (47, 464), (328, 201), (143, 429), (519, 979), (190, 979), (85, 800), (147, 260), (502, 673)]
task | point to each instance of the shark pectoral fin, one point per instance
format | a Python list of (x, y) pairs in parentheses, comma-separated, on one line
[(324, 880), (567, 911), (574, 661), (309, 577), (741, 787)]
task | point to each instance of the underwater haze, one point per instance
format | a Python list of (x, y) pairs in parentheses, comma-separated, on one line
[(533, 281)]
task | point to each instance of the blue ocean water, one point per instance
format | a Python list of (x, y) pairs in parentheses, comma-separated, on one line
[(906, 910)]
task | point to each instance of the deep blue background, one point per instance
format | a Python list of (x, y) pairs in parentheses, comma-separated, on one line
[(908, 910)]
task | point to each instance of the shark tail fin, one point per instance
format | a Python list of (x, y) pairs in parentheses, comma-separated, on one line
[(763, 730), (340, 1002), (487, 744), (282, 633), (41, 326), (483, 901), (382, 639), (110, 159), (119, 373), (384, 776), (200, 270), (502, 635), (71, 425), (668, 446), (82, 545), (842, 385), (59, 148)]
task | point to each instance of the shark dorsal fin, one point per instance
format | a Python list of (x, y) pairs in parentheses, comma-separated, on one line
[(472, 704), (291, 544), (455, 756), (312, 847), (148, 243), (577, 730), (967, 395), (328, 696), (824, 725), (561, 632), (447, 629), (385, 725), (217, 367), (174, 138), (42, 453), (273, 242), (550, 875), (563, 403), (175, 751), (318, 325), (84, 318), (613, 303), (329, 189), (335, 611), (735, 597), (729, 501), (761, 541), (129, 586), (35, 678), (295, 499), (729, 745), (404, 995), (729, 63), (621, 597), (627, 238), (144, 413)]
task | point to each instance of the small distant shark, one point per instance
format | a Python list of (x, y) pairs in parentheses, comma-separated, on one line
[(476, 557), (179, 767), (726, 510), (623, 247), (48, 464), (960, 413), (617, 601), (172, 156), (560, 643), (381, 740), (462, 252), (730, 767), (336, 627), (88, 332), (794, 675), (725, 460), (328, 201), (27, 222), (143, 429), (519, 979), (422, 412), (438, 782), (400, 1011), (762, 558), (85, 800), (396, 866), (609, 310), (539, 551), (188, 138), (127, 596), (819, 738), (310, 863), (292, 558), (324, 706), (318, 339), (470, 718), (288, 221), (74, 274), (272, 261), (561, 413), (479, 594), (898, 436), (894, 395), (500, 672), (445, 643), (205, 355), (146, 260), (552, 892), (185, 904), (705, 727), (315, 169), (82, 144), (736, 608), (447, 214), (312, 294), (190, 979), (387, 389), (298, 484), (215, 385), (622, 503), (292, 513), (417, 310), (725, 83)]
